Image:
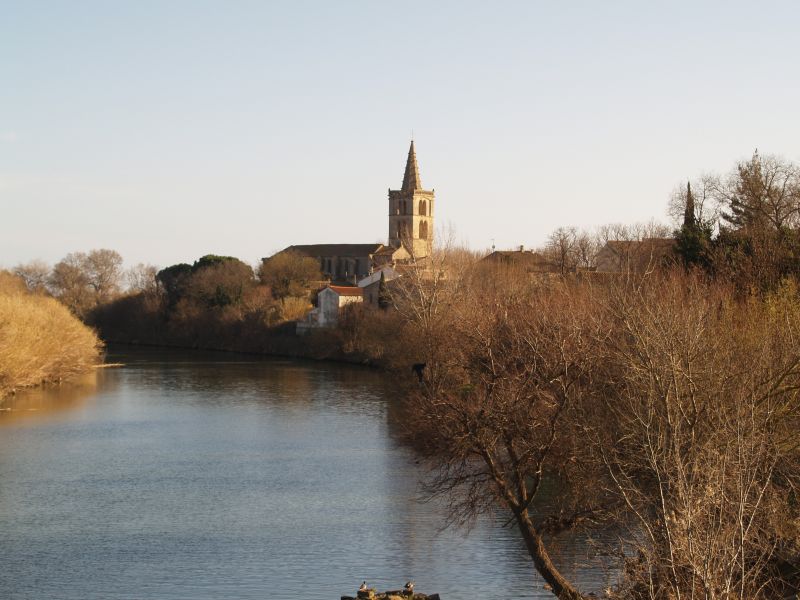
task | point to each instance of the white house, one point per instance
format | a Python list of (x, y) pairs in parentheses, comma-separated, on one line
[(330, 301)]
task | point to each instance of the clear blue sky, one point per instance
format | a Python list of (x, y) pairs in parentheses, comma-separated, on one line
[(167, 130)]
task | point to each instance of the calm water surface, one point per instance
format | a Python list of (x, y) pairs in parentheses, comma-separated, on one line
[(215, 476)]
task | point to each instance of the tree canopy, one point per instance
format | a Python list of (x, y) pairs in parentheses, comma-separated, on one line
[(289, 273)]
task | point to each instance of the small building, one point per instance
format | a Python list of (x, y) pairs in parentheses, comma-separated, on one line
[(372, 283), (635, 256), (530, 261), (330, 302)]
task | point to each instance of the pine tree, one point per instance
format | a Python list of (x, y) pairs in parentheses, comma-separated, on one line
[(746, 203)]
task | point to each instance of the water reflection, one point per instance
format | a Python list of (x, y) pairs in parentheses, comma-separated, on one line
[(206, 476), (48, 402)]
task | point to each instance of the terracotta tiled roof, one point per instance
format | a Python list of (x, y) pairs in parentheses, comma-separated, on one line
[(347, 290)]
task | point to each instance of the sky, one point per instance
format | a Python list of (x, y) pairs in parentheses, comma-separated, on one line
[(170, 130)]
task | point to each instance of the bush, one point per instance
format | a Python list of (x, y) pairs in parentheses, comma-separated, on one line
[(40, 340), (289, 273)]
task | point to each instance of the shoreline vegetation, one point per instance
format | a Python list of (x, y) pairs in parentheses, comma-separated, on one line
[(664, 399), (41, 342)]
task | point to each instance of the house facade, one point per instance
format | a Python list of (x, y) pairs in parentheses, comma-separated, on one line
[(371, 284), (330, 302)]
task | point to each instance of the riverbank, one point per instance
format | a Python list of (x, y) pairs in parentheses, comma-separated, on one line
[(365, 337), (319, 346), (41, 342)]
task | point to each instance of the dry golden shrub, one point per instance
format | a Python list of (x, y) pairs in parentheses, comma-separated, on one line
[(40, 340), (293, 308)]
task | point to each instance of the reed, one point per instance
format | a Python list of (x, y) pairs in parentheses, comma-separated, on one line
[(40, 340)]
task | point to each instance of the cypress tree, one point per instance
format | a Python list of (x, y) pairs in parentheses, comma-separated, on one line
[(694, 236), (688, 212), (383, 293)]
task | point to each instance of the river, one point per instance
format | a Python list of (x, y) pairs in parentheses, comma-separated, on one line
[(195, 475)]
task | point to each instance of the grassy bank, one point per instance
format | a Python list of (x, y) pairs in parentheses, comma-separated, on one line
[(40, 340)]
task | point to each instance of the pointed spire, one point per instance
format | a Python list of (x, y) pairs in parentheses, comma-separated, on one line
[(411, 180)]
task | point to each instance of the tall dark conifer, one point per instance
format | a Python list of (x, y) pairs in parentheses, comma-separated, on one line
[(693, 238), (383, 293), (689, 219)]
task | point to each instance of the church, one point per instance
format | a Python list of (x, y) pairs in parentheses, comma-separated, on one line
[(410, 234)]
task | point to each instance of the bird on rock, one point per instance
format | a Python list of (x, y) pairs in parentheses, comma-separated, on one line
[(363, 587), (409, 587)]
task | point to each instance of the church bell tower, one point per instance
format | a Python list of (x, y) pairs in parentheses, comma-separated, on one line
[(411, 212)]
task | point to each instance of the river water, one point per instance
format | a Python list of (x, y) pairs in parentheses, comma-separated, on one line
[(194, 476)]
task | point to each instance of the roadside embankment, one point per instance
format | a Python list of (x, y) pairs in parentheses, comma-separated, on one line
[(40, 340)]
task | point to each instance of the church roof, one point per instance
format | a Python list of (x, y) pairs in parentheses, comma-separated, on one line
[(318, 250), (411, 179)]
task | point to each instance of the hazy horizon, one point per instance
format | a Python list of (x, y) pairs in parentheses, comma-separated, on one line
[(169, 131)]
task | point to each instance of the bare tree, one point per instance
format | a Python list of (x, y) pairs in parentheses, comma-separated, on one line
[(35, 274), (493, 413), (562, 248), (704, 200), (70, 283), (586, 249), (83, 280), (695, 426), (431, 285), (103, 268), (142, 278)]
